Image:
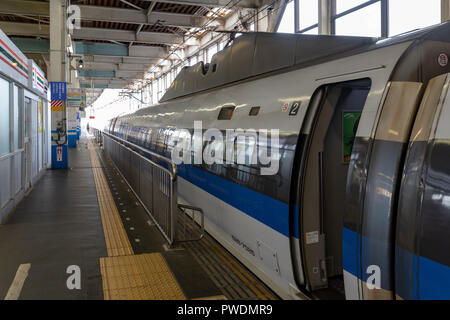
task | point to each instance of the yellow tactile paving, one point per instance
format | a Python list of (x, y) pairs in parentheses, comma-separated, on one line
[(117, 242), (126, 276), (139, 277)]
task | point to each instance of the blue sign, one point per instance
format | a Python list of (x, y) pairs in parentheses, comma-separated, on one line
[(58, 90)]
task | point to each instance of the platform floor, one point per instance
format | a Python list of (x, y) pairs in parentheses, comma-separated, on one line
[(88, 217)]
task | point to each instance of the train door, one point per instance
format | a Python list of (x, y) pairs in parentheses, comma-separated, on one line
[(333, 123), (422, 246), (28, 147), (34, 140), (372, 192), (40, 135)]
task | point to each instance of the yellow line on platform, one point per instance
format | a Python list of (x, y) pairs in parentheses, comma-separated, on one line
[(117, 242), (126, 276), (139, 277)]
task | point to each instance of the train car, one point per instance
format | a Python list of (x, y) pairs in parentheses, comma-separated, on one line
[(359, 206)]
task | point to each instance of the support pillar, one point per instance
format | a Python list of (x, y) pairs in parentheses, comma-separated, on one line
[(325, 13), (274, 18), (445, 10), (58, 83)]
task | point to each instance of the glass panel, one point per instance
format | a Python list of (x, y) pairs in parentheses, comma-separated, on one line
[(308, 13), (4, 117), (314, 31), (407, 15), (17, 126), (287, 23), (344, 5), (365, 22), (212, 51)]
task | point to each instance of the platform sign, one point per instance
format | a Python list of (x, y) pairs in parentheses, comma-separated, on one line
[(37, 78), (59, 154), (13, 62), (58, 90), (74, 98), (350, 121)]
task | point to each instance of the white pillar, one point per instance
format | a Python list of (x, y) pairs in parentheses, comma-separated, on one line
[(445, 10), (58, 36), (324, 17), (276, 15), (57, 72)]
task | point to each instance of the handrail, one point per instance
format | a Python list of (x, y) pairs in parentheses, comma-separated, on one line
[(168, 232), (162, 206), (172, 164), (173, 177), (182, 207)]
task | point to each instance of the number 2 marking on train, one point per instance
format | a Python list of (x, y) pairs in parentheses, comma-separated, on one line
[(294, 108)]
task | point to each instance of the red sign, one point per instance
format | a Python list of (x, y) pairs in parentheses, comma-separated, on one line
[(59, 155), (91, 117)]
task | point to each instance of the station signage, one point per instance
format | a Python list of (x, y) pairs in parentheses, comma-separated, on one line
[(58, 90), (74, 98), (37, 79)]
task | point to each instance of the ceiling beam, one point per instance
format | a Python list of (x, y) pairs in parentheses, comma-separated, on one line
[(117, 60), (107, 49), (25, 29), (98, 52), (36, 30), (130, 74), (131, 5), (96, 86), (109, 14), (35, 8), (220, 3), (125, 78), (116, 66), (32, 45), (97, 73), (127, 36)]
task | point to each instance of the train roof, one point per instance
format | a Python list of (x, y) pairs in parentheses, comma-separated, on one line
[(259, 53)]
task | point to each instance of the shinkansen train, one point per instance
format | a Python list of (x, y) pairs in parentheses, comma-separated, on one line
[(359, 204)]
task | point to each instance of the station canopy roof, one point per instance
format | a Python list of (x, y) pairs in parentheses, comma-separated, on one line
[(118, 40)]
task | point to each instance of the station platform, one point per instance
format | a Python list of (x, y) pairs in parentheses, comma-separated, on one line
[(86, 221)]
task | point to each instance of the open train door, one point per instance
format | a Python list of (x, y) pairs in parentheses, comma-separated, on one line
[(329, 130)]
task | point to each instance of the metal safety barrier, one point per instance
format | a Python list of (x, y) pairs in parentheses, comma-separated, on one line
[(97, 135), (153, 179)]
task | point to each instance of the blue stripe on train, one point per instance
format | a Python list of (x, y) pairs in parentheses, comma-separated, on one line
[(360, 252), (265, 209), (406, 280), (434, 280), (433, 277)]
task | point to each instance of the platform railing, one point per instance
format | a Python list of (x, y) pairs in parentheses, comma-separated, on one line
[(97, 135), (153, 179)]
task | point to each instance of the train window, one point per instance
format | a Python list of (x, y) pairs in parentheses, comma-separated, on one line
[(226, 113), (254, 111)]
